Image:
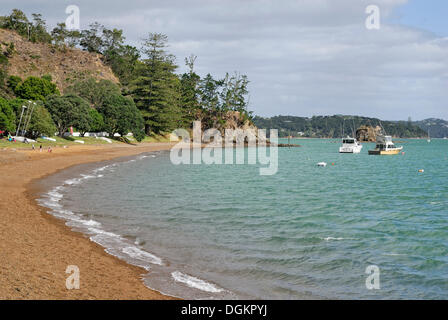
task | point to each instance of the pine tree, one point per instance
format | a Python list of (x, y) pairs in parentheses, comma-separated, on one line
[(190, 94), (157, 89)]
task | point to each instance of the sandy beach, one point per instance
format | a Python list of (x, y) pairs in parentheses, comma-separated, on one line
[(36, 248)]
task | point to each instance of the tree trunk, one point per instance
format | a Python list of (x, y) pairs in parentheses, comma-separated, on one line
[(147, 129)]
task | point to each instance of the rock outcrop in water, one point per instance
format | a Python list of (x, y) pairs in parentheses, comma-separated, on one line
[(367, 133)]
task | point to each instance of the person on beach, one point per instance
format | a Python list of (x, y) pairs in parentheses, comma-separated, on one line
[(40, 148), (33, 147)]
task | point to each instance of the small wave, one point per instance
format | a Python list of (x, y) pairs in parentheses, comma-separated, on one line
[(55, 195), (337, 239), (72, 181), (195, 282), (101, 232), (142, 255), (87, 176), (91, 223), (101, 169)]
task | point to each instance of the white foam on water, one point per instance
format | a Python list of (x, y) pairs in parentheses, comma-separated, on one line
[(336, 239), (87, 176), (137, 253), (194, 282), (102, 232), (90, 223), (72, 181), (101, 169), (54, 195)]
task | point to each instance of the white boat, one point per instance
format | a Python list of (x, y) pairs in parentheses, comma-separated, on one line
[(350, 145), (429, 137), (385, 146)]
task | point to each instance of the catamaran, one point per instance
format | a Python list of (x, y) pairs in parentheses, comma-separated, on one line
[(350, 145), (385, 146)]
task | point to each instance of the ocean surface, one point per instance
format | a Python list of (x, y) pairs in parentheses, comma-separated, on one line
[(225, 232)]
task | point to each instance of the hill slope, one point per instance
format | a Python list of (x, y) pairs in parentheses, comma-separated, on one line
[(333, 126), (64, 65), (438, 128)]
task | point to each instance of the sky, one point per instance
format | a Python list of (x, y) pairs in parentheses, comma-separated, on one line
[(302, 57)]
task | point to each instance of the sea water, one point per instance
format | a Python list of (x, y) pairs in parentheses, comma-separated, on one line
[(226, 232)]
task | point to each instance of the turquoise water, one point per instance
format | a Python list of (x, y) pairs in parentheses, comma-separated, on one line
[(224, 231)]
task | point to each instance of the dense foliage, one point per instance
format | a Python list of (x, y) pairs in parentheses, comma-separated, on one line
[(41, 123), (68, 110), (7, 116), (34, 88), (121, 116)]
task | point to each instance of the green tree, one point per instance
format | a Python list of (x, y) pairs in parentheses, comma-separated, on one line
[(38, 30), (7, 116), (91, 39), (190, 93), (59, 34), (41, 123), (94, 91), (96, 121), (124, 61), (17, 21), (68, 110), (156, 91), (121, 116), (35, 88), (13, 81)]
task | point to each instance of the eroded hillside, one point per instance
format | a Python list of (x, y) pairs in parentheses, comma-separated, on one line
[(65, 65)]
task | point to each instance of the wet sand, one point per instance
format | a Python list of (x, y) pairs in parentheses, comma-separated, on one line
[(36, 248)]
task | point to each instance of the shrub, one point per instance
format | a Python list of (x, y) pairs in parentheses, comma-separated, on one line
[(35, 88)]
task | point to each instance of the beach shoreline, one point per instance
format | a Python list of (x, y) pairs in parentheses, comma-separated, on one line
[(36, 248)]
